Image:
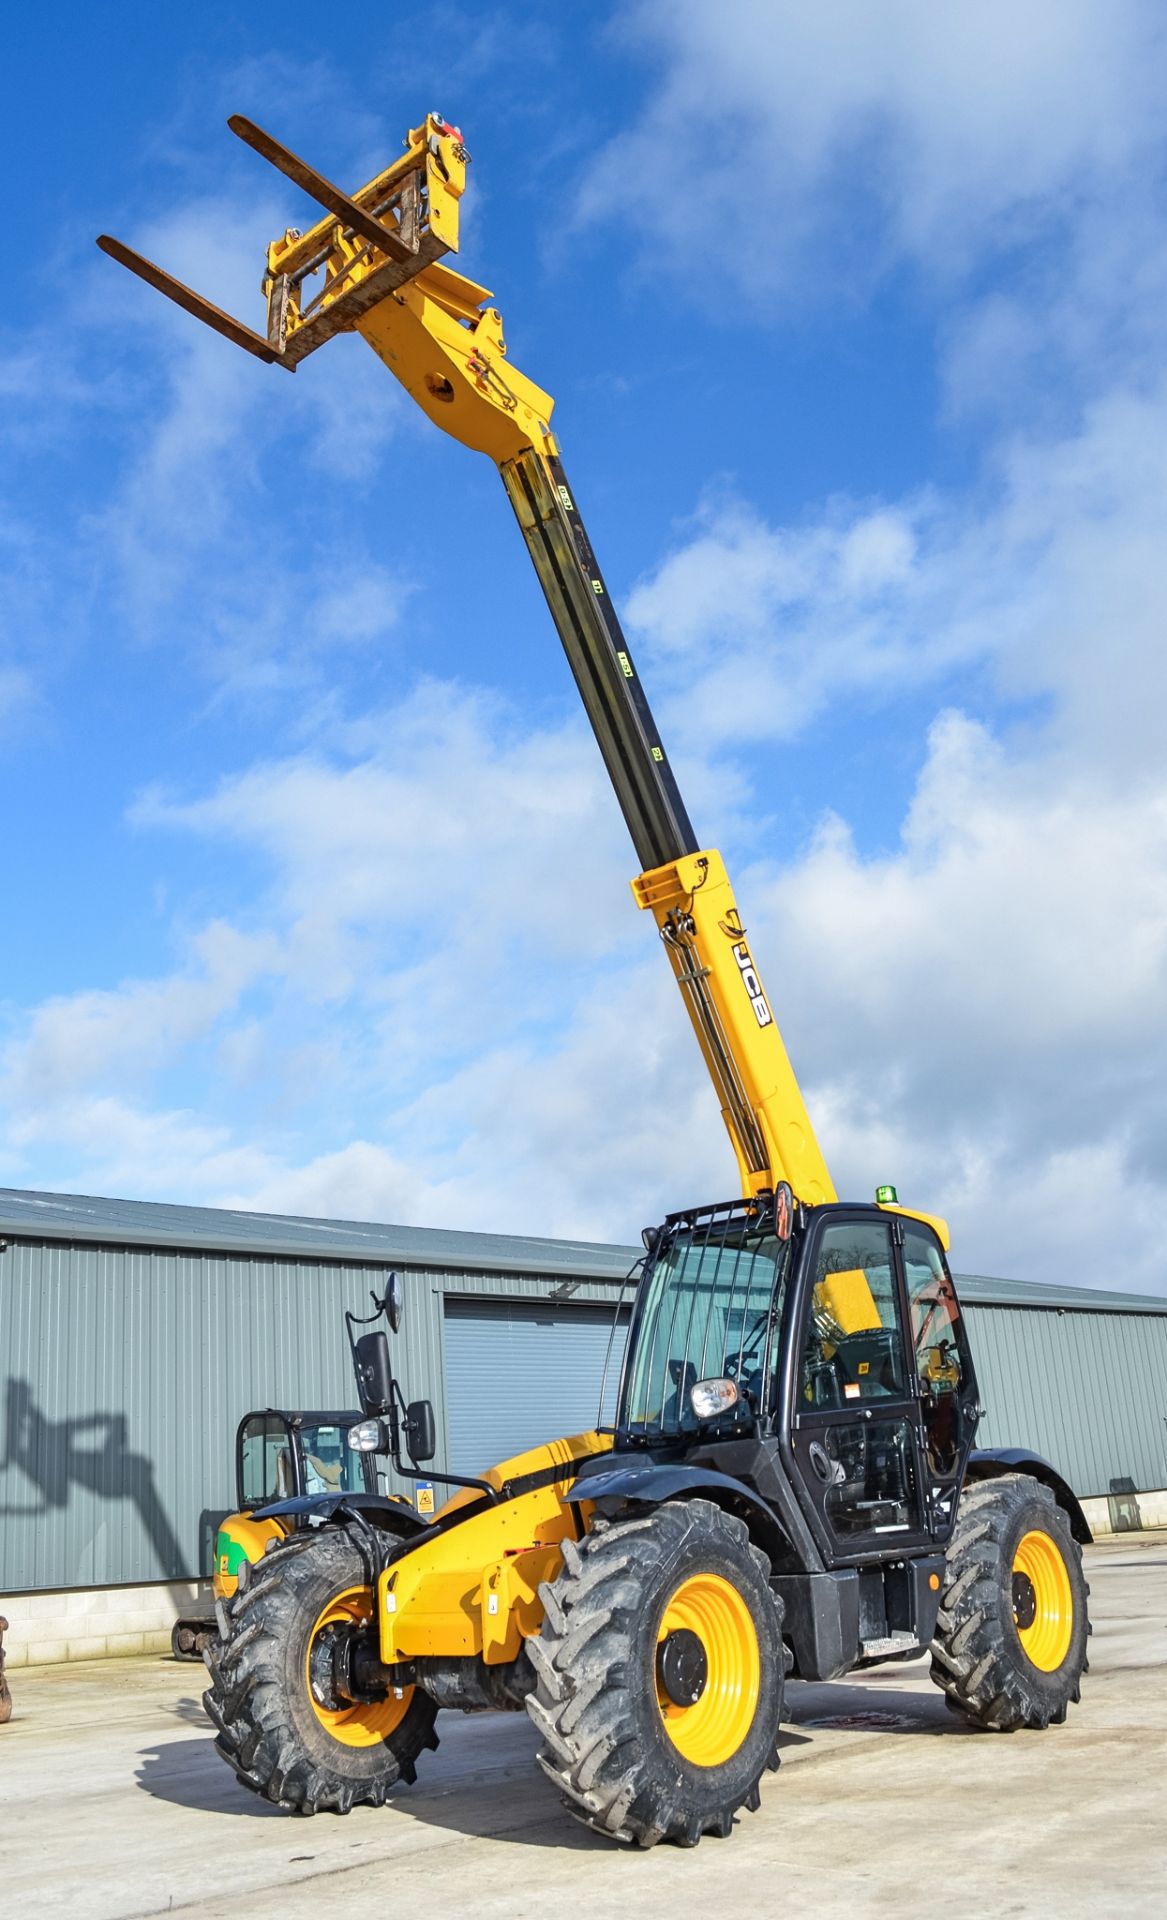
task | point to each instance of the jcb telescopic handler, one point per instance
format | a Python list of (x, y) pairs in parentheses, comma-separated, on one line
[(790, 1482)]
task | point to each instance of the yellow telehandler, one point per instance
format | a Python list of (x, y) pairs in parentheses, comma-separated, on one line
[(789, 1483)]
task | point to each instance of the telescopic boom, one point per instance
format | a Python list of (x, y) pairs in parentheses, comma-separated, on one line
[(379, 252)]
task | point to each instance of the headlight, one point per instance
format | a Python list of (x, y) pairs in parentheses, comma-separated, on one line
[(708, 1398), (366, 1437)]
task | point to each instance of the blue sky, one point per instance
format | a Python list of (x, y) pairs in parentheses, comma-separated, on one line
[(316, 900)]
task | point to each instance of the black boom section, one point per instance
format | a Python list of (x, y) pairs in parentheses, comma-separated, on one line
[(599, 658)]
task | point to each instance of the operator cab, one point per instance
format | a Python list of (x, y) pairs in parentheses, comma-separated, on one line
[(833, 1335), (280, 1456)]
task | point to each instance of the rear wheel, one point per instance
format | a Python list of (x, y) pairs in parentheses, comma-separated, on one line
[(1010, 1644), (285, 1724), (660, 1674)]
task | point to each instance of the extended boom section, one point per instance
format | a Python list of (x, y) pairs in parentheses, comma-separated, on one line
[(374, 267), (686, 890)]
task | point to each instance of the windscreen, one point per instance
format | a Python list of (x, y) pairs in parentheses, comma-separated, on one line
[(710, 1308)]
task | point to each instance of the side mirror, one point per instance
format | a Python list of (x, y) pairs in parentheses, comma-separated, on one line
[(394, 1302), (421, 1439), (374, 1373)]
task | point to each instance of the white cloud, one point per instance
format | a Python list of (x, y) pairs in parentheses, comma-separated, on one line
[(751, 628), (1052, 576), (453, 841), (112, 1146), (997, 985), (129, 1033), (359, 1181), (904, 130), (199, 550)]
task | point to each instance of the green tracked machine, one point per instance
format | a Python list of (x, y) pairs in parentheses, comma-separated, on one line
[(280, 1454), (790, 1482)]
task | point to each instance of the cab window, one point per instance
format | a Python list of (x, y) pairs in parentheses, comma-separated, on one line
[(853, 1350), (330, 1465)]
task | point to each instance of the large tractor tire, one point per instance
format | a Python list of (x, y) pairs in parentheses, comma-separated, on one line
[(281, 1724), (660, 1674), (1010, 1643)]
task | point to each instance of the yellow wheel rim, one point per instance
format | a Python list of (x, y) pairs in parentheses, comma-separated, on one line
[(1043, 1601), (364, 1724), (710, 1731)]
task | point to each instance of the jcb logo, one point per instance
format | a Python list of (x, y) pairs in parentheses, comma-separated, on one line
[(752, 985)]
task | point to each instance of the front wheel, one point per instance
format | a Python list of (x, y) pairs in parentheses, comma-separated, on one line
[(284, 1724), (1011, 1634), (660, 1674)]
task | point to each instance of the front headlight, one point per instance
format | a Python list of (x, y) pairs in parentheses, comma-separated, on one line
[(368, 1436), (708, 1398)]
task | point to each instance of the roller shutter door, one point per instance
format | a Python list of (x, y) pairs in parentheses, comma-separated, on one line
[(519, 1372)]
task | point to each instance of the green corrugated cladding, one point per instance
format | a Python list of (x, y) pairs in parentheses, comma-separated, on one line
[(133, 1337), (1086, 1390), (125, 1371)]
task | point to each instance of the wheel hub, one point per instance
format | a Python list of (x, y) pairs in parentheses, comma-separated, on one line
[(322, 1668), (1024, 1602), (682, 1667)]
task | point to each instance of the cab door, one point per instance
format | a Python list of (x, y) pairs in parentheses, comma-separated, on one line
[(267, 1460), (855, 1422), (945, 1380)]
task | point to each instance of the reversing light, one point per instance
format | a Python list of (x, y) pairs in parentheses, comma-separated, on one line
[(886, 1197), (365, 1437), (708, 1398)]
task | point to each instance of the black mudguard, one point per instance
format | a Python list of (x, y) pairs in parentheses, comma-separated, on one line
[(987, 1463), (394, 1516), (651, 1486)]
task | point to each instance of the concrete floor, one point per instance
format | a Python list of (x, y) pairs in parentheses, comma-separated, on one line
[(113, 1805)]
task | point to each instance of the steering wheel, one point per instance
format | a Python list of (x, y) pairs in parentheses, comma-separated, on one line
[(733, 1361)]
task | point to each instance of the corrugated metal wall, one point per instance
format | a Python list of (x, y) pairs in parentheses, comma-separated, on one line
[(123, 1375), (1087, 1391)]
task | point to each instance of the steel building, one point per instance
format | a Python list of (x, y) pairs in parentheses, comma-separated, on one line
[(135, 1335)]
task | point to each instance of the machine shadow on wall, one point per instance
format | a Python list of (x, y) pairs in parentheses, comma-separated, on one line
[(89, 1452)]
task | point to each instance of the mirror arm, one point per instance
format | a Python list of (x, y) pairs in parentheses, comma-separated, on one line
[(397, 1423), (396, 1414)]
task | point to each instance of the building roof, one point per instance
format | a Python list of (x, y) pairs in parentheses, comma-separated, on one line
[(150, 1223), (142, 1223), (983, 1290)]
